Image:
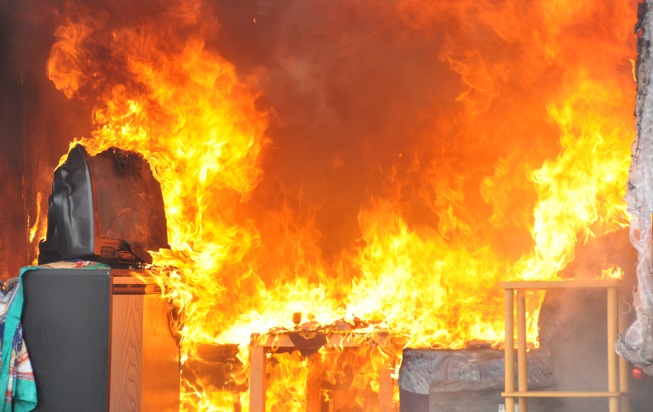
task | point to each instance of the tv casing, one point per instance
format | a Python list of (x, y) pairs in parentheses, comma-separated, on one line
[(106, 207)]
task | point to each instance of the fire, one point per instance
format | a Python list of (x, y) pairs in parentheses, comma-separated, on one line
[(613, 272), (388, 166)]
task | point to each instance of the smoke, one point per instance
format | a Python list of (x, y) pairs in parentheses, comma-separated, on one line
[(437, 114), (384, 100), (441, 108), (32, 115), (355, 97)]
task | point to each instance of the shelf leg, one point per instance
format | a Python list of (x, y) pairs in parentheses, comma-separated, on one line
[(509, 349), (257, 379), (613, 331), (522, 361)]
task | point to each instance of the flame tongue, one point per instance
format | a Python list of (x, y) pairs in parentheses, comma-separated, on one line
[(389, 163)]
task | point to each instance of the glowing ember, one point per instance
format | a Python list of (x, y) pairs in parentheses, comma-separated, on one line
[(385, 162)]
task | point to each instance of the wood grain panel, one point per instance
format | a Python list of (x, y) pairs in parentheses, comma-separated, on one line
[(126, 353), (160, 376)]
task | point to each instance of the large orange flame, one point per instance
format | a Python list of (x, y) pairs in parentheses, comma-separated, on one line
[(391, 163)]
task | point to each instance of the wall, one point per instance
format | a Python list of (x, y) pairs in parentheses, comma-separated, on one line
[(36, 124)]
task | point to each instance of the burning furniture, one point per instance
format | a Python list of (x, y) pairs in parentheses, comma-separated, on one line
[(102, 339), (617, 382), (309, 343), (569, 372), (474, 110), (99, 340)]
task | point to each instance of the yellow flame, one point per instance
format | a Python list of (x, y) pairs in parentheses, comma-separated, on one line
[(438, 237), (613, 272)]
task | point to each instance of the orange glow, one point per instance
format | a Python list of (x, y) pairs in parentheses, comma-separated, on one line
[(514, 151), (613, 272)]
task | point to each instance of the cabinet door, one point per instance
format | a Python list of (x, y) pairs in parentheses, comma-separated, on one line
[(66, 317), (144, 355), (144, 351)]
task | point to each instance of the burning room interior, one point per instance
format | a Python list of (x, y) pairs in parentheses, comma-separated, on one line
[(326, 205)]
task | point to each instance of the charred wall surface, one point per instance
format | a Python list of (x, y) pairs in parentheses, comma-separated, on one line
[(36, 124)]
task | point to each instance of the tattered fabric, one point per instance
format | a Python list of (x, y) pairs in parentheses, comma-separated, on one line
[(636, 344), (16, 375)]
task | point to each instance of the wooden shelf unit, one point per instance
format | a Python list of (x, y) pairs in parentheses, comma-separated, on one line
[(617, 391)]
